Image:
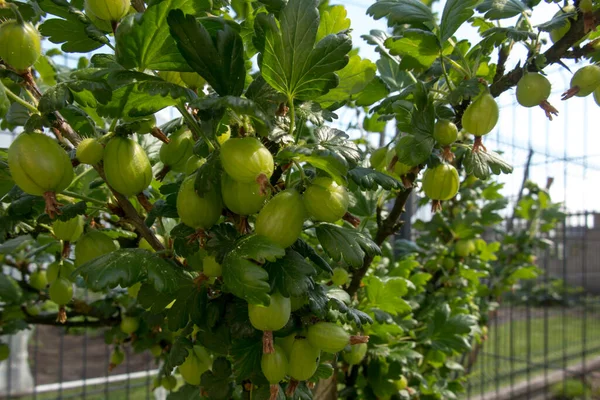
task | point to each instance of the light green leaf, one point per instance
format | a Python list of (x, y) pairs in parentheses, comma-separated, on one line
[(354, 77), (416, 45), (499, 9), (456, 12), (483, 164), (125, 267), (375, 91), (325, 160), (141, 99), (10, 292), (333, 21), (386, 295), (346, 244), (399, 12), (45, 67), (289, 60)]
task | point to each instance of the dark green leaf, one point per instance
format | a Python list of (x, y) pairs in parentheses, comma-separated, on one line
[(325, 160), (290, 61), (73, 35), (10, 292), (318, 301), (208, 177), (456, 13), (190, 305), (415, 149), (307, 251), (125, 267), (557, 22), (238, 105), (179, 352), (353, 315), (400, 12), (370, 179), (221, 240), (290, 275), (220, 62), (346, 244), (68, 212), (186, 392), (217, 382), (246, 354), (144, 42)]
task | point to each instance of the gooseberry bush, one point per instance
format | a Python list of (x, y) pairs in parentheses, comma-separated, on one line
[(248, 242)]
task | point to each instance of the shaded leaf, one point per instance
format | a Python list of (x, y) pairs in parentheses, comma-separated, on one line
[(483, 164), (220, 62), (371, 179), (307, 251), (125, 267), (217, 382), (400, 12), (290, 275), (346, 244)]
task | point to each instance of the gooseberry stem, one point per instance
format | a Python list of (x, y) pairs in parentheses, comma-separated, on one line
[(194, 127), (293, 120), (83, 197), (11, 95)]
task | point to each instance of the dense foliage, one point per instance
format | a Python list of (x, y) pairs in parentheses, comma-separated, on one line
[(248, 243)]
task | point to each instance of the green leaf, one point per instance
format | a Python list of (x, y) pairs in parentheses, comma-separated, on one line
[(375, 91), (354, 77), (346, 244), (179, 352), (10, 292), (68, 212), (143, 41), (125, 267), (558, 21), (307, 251), (448, 333), (217, 382), (291, 274), (386, 295), (86, 93), (391, 73), (416, 45), (399, 12), (333, 21), (318, 301), (208, 177), (324, 371), (352, 315), (290, 61), (246, 354), (483, 164), (186, 392), (15, 245), (47, 70), (415, 149), (370, 179), (500, 9), (243, 277), (239, 105), (325, 160), (456, 13), (219, 61), (141, 99), (190, 305), (73, 34), (258, 248), (339, 142)]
